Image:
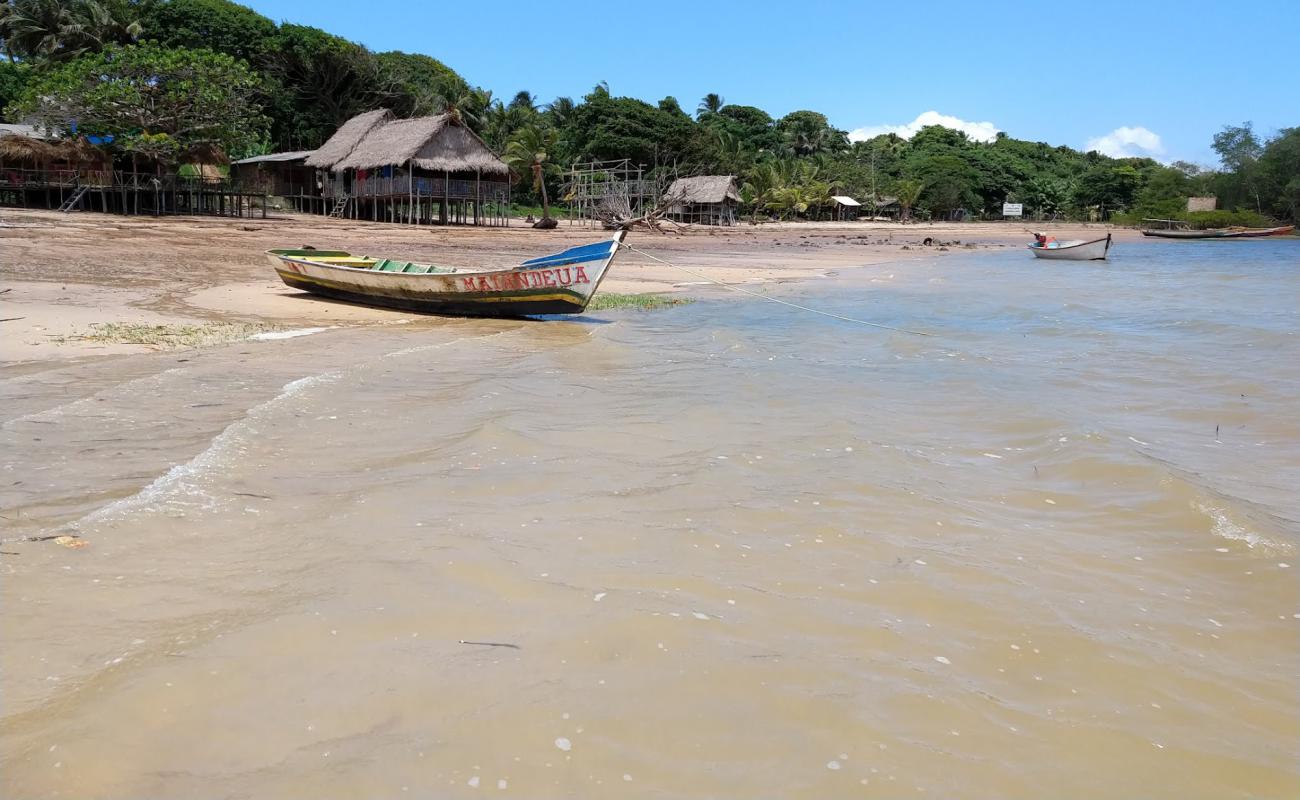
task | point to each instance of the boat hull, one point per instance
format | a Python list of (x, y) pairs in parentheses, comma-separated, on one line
[(1222, 233), (562, 283), (1094, 250)]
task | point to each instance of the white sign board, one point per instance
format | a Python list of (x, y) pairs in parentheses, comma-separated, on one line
[(1013, 209)]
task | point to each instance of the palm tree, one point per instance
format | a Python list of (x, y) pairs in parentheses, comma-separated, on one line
[(55, 30), (908, 192), (529, 150), (560, 110), (759, 187), (711, 103), (524, 100), (467, 105)]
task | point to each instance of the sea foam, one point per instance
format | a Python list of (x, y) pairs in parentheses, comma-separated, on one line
[(179, 487)]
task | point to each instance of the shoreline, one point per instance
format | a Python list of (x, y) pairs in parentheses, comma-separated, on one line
[(63, 274)]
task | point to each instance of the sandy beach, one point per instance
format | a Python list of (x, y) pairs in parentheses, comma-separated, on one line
[(62, 273), (1046, 549)]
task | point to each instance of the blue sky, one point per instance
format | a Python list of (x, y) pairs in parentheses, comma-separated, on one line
[(1157, 78)]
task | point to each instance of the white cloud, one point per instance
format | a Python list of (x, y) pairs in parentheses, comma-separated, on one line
[(1127, 142), (979, 131)]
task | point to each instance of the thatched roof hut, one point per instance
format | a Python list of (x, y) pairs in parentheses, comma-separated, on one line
[(16, 148), (437, 144), (707, 199), (346, 138), (80, 151), (703, 189)]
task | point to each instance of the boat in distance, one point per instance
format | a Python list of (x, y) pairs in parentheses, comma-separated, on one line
[(1073, 250), (1222, 233), (560, 283)]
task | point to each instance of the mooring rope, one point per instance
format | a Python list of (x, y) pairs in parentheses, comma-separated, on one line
[(772, 299)]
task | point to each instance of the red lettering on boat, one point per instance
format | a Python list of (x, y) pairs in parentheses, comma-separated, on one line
[(581, 276), (467, 284), (548, 277), (566, 276)]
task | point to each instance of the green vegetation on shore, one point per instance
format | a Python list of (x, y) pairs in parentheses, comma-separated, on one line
[(606, 301), (168, 336), (129, 69)]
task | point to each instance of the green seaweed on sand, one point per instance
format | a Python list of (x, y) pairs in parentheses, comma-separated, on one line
[(167, 336), (606, 301)]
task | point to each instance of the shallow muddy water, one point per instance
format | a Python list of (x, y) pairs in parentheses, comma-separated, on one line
[(721, 550)]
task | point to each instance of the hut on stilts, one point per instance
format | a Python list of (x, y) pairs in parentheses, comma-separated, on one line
[(424, 170), (704, 199)]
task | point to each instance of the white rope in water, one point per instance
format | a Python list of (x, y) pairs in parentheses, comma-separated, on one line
[(771, 299)]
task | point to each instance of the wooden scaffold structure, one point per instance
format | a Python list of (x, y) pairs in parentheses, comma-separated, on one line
[(594, 188)]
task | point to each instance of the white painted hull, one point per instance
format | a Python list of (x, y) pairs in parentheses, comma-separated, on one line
[(1077, 250), (559, 284)]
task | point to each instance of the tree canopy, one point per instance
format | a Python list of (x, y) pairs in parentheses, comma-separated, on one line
[(283, 86), (153, 100)]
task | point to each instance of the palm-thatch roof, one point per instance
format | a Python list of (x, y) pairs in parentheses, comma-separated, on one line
[(346, 138), (79, 150), (440, 143), (703, 189), (24, 148)]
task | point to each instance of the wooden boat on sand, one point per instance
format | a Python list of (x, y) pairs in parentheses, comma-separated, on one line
[(560, 283), (1073, 250), (1222, 233)]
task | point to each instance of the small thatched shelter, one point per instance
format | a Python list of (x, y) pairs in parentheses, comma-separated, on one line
[(400, 169), (279, 174), (706, 199)]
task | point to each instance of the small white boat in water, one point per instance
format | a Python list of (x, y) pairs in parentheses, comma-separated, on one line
[(1073, 250)]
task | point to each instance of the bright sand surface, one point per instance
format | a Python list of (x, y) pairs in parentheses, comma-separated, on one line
[(62, 273)]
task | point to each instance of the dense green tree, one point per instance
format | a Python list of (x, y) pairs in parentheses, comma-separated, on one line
[(329, 79), (218, 25), (158, 101), (1279, 168), (13, 77), (808, 132), (605, 128), (950, 183), (413, 85), (1108, 186)]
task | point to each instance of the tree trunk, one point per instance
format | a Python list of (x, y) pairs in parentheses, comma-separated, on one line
[(541, 184)]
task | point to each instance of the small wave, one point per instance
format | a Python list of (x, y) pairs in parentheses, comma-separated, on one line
[(271, 336), (182, 480), (133, 386), (1225, 527), (406, 351)]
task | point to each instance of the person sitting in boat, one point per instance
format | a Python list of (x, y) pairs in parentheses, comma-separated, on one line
[(1043, 240)]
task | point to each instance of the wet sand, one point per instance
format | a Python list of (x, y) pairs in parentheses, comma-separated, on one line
[(66, 272)]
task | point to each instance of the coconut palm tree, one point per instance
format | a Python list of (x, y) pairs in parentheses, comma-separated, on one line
[(560, 110), (711, 103), (908, 191), (530, 149), (59, 30)]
